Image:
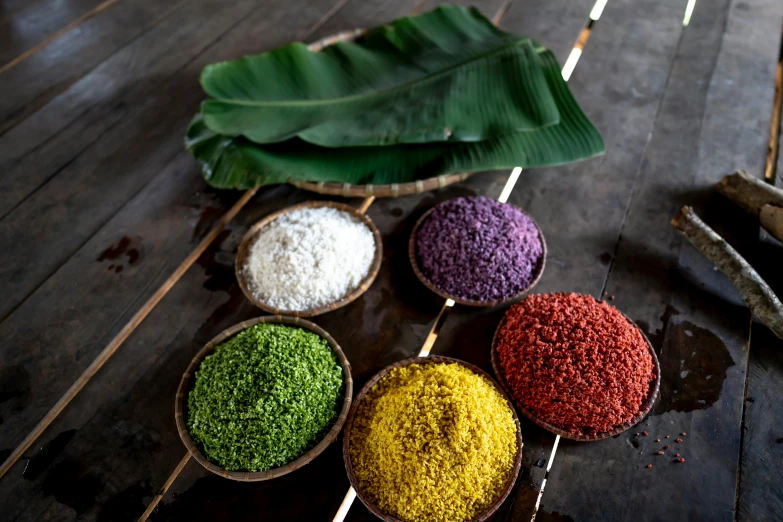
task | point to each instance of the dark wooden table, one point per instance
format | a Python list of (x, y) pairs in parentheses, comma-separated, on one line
[(101, 204)]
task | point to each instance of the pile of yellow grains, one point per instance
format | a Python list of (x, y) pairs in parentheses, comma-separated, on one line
[(433, 442)]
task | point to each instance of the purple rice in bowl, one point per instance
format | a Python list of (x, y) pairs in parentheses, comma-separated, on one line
[(478, 251)]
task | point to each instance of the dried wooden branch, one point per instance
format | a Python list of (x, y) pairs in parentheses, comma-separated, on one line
[(760, 199), (755, 292)]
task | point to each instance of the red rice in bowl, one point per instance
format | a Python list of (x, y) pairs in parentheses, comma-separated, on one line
[(574, 362)]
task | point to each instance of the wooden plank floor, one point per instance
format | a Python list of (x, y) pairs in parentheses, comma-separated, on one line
[(101, 204)]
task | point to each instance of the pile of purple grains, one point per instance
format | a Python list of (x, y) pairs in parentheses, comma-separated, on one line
[(479, 249)]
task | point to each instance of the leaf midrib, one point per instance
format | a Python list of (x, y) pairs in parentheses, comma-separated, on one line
[(342, 99)]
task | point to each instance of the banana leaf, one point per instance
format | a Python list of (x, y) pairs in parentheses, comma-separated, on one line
[(235, 162), (421, 79)]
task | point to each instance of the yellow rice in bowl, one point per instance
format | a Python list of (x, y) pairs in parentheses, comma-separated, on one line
[(433, 442)]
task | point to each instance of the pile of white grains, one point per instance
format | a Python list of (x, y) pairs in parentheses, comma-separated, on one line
[(309, 257)]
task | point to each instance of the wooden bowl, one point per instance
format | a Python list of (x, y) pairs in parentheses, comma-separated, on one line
[(469, 302), (380, 191), (180, 404), (244, 247), (432, 359), (655, 387)]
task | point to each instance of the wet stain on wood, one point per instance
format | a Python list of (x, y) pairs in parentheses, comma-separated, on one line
[(46, 455), (126, 252), (115, 251), (693, 369), (128, 504), (207, 217), (218, 265), (544, 516), (72, 484), (15, 387), (656, 337)]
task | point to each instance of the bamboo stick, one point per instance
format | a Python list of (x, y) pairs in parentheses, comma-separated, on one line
[(755, 292), (157, 498), (126, 331)]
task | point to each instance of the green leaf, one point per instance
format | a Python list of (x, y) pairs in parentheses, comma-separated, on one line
[(235, 162), (446, 75)]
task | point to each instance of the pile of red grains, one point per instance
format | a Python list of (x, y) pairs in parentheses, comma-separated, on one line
[(575, 362)]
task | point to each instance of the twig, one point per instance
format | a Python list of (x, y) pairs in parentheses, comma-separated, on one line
[(759, 199), (755, 292)]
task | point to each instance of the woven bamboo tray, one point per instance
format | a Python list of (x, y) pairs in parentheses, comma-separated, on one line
[(180, 404), (655, 387), (432, 359), (244, 247), (469, 302), (380, 191)]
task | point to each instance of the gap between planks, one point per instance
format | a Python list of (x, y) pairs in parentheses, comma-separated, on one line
[(350, 496), (126, 331), (83, 18), (432, 336), (365, 205), (142, 313), (429, 342), (150, 304)]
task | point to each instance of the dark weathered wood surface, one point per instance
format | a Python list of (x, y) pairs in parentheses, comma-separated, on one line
[(101, 204), (658, 279), (25, 24)]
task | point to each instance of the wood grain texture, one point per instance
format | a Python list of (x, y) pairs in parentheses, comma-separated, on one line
[(760, 491), (138, 317), (197, 310), (32, 83), (76, 119), (24, 26), (692, 316), (38, 40), (113, 169)]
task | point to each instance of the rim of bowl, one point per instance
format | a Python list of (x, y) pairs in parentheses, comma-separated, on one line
[(364, 284), (470, 302), (180, 403), (432, 359), (645, 409)]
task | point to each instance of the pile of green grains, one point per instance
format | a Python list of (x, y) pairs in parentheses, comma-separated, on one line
[(433, 442), (264, 397)]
